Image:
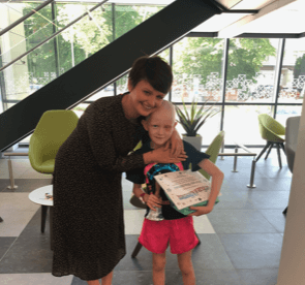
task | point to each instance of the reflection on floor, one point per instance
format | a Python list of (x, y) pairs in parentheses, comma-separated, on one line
[(241, 239)]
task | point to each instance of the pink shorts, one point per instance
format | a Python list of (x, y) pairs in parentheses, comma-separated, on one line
[(180, 234)]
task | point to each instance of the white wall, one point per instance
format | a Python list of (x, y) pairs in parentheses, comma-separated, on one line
[(292, 263)]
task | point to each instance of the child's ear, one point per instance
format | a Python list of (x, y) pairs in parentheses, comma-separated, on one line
[(145, 124), (175, 124)]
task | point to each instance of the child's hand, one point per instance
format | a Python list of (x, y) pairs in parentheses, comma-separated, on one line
[(153, 202), (201, 210)]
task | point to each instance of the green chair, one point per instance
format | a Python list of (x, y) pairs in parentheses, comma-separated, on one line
[(274, 133), (52, 130), (213, 151)]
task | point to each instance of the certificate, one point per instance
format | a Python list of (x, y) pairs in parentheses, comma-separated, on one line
[(185, 188)]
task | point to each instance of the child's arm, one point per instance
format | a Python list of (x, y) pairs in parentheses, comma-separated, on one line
[(150, 200), (217, 179)]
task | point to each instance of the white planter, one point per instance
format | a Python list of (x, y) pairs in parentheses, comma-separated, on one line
[(194, 141)]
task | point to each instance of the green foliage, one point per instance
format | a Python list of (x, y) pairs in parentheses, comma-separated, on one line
[(299, 67), (81, 40), (38, 28), (246, 56), (201, 56), (193, 120)]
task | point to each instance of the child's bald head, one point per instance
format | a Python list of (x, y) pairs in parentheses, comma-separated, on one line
[(161, 124), (166, 109)]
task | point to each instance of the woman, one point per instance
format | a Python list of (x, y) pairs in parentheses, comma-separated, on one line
[(88, 225)]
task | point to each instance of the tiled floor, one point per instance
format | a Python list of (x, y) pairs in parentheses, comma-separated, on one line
[(241, 239)]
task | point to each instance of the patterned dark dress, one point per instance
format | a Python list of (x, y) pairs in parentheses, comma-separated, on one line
[(88, 223)]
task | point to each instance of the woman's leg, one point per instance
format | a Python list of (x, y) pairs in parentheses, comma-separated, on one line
[(186, 267), (106, 280), (93, 282), (159, 261)]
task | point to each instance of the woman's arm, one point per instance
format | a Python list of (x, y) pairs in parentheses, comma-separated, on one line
[(161, 155), (99, 129), (175, 144), (217, 179)]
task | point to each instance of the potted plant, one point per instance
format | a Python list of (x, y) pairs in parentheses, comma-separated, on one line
[(193, 120)]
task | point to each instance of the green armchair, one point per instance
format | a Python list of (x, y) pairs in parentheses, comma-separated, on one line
[(274, 133), (53, 128), (213, 151)]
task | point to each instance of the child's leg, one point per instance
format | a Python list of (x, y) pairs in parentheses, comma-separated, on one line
[(186, 267), (159, 261)]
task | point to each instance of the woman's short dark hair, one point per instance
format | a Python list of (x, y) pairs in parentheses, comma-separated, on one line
[(153, 69)]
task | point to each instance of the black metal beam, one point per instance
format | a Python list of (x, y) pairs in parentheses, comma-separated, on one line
[(268, 35), (278, 74), (249, 35), (302, 35), (224, 81), (203, 34), (150, 37)]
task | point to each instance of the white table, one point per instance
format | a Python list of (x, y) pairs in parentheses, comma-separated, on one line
[(38, 196)]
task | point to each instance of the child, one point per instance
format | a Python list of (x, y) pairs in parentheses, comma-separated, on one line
[(170, 226)]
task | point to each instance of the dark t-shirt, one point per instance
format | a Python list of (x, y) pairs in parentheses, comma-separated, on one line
[(146, 175)]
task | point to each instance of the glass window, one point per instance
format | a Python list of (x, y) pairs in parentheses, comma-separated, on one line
[(284, 112), (128, 17), (107, 91), (83, 38), (80, 109), (241, 124), (292, 84), (209, 129), (197, 68), (251, 70)]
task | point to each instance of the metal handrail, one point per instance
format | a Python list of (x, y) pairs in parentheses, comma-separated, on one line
[(25, 17), (235, 155), (54, 35), (10, 167)]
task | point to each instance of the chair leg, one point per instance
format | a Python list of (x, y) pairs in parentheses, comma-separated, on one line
[(136, 250), (271, 145), (44, 210), (285, 211), (279, 154), (282, 145), (51, 227), (262, 152)]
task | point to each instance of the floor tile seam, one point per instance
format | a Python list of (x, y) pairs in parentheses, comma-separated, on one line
[(279, 232), (20, 211), (9, 248)]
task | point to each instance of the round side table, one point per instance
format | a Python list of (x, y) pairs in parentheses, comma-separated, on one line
[(38, 196)]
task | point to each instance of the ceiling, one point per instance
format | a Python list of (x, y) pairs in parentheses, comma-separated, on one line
[(275, 17)]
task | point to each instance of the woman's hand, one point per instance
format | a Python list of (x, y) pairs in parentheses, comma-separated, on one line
[(175, 144), (152, 201), (201, 210), (160, 155)]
